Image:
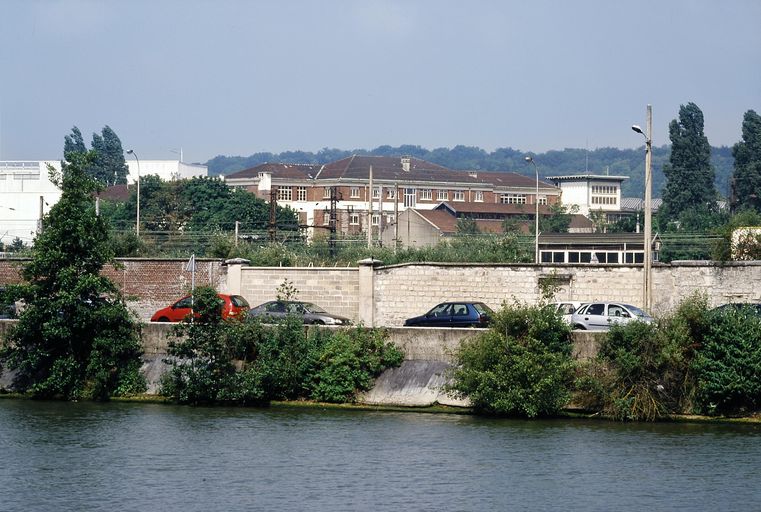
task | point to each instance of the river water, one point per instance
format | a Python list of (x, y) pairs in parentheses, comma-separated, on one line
[(146, 457)]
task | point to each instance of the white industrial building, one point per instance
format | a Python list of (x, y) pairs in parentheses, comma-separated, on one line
[(26, 191)]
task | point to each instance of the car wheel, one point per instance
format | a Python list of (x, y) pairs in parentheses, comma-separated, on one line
[(163, 319), (579, 328)]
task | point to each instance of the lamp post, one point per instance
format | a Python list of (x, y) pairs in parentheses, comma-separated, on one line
[(536, 214), (137, 222), (647, 287)]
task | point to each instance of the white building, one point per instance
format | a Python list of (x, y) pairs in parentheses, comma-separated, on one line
[(590, 192), (167, 170), (26, 191)]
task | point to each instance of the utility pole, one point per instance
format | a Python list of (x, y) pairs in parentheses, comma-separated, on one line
[(332, 221), (272, 228), (370, 212), (237, 228), (396, 217)]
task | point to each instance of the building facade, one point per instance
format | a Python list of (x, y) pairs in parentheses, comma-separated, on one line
[(353, 193)]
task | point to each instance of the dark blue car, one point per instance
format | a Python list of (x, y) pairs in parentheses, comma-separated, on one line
[(454, 314)]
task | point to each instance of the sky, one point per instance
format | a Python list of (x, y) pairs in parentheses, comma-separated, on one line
[(237, 77)]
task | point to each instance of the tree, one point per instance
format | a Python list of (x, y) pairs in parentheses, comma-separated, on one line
[(110, 167), (73, 144), (689, 173), (746, 180), (76, 339), (559, 219)]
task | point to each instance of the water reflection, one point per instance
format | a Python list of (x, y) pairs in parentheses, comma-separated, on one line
[(154, 457)]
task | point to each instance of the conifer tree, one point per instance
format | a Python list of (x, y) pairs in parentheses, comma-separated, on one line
[(689, 174), (746, 180)]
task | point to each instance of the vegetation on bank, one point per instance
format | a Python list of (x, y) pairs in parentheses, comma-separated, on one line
[(76, 338), (248, 363), (693, 361)]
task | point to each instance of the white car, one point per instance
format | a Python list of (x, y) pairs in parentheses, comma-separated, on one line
[(599, 316), (565, 308)]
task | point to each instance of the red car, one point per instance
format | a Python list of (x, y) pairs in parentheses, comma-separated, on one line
[(234, 305)]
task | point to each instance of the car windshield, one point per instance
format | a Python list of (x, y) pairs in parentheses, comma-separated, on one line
[(636, 311), (482, 309), (312, 308), (239, 301)]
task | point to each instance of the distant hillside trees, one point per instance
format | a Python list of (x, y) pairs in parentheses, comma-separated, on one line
[(626, 162), (746, 180)]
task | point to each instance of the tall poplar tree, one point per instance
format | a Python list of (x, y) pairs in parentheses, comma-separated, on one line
[(746, 180), (689, 174)]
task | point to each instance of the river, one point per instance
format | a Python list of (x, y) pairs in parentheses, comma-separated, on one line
[(146, 457)]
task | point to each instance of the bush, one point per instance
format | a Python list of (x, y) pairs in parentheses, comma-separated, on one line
[(520, 367), (643, 371), (728, 365), (217, 361)]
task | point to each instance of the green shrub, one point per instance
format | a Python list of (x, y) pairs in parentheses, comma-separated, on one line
[(349, 361), (520, 367), (728, 365), (216, 361), (643, 371)]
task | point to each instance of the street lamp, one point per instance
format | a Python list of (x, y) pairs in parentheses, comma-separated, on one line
[(536, 215), (647, 286), (137, 222)]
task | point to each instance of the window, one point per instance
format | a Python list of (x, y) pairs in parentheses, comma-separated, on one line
[(390, 219), (425, 194), (354, 219), (376, 219), (391, 194), (604, 195), (326, 218), (458, 195), (354, 192), (478, 196), (513, 198), (326, 192), (376, 192), (284, 193), (542, 200), (301, 194), (442, 195), (410, 197)]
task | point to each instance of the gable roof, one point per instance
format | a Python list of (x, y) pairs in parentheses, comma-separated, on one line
[(299, 171)]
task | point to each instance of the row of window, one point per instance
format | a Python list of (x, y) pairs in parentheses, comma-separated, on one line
[(410, 194), (604, 189), (604, 200), (354, 219), (591, 257)]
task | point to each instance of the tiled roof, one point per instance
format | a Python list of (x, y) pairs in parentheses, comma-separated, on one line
[(507, 209), (298, 171), (446, 222), (115, 193), (637, 203)]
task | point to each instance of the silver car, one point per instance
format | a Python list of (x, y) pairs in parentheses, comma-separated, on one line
[(310, 313), (599, 316)]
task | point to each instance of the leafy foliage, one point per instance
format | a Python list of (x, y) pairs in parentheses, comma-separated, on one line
[(520, 367), (216, 361), (107, 166), (75, 339), (728, 365), (746, 180), (690, 177)]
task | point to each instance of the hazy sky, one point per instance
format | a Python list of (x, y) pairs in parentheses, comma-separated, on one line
[(236, 77)]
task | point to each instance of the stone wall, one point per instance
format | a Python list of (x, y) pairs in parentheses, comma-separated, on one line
[(336, 289), (403, 291)]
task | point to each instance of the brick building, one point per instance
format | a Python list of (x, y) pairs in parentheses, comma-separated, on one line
[(339, 194)]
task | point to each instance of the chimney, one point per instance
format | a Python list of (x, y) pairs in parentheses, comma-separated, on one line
[(406, 163)]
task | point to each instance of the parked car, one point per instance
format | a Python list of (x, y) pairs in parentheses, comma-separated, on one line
[(599, 316), (233, 306), (454, 314), (310, 313), (753, 308), (565, 308)]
